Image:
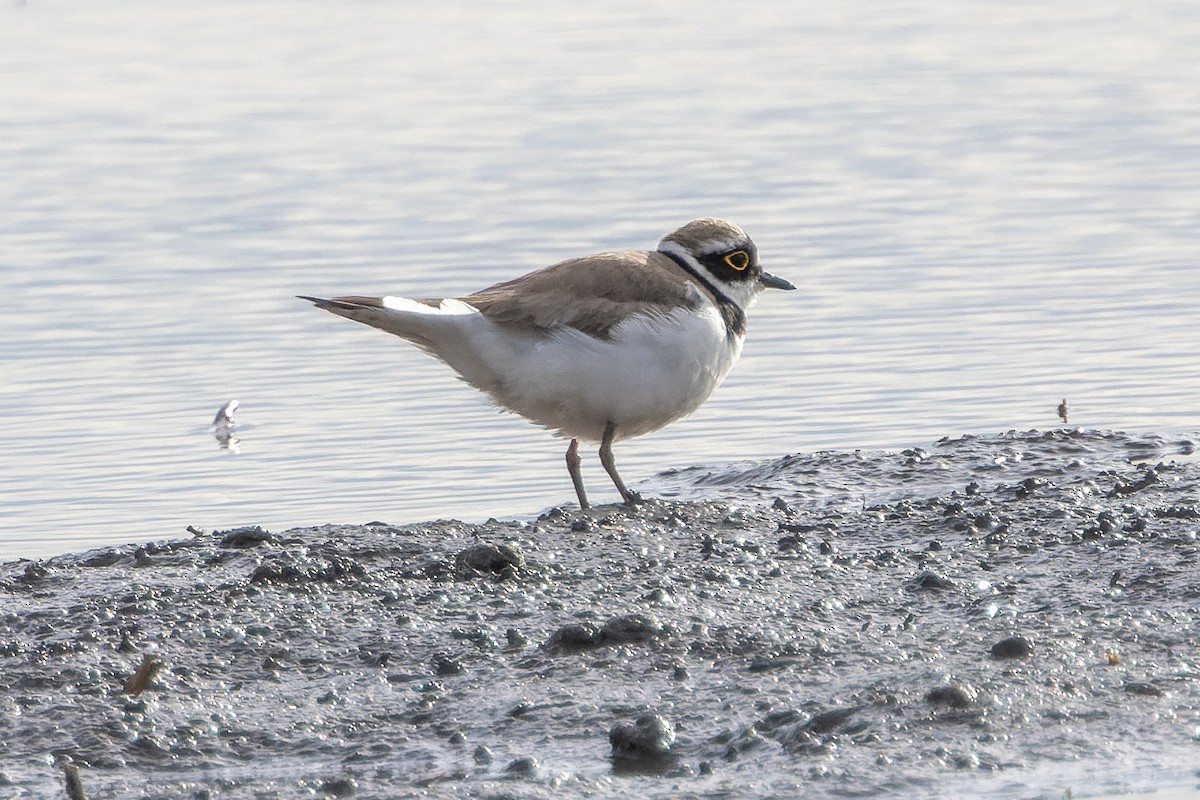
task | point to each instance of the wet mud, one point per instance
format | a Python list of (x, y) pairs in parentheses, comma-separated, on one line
[(1000, 616)]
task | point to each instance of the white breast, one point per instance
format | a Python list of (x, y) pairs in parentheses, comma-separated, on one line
[(651, 371)]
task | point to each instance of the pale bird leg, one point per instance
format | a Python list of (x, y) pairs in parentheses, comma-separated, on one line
[(573, 468), (610, 466)]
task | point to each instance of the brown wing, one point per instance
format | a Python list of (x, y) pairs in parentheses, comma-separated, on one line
[(591, 294)]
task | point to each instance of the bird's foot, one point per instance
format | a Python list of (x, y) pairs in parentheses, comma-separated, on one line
[(633, 498)]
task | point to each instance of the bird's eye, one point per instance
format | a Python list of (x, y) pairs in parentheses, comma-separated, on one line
[(738, 259)]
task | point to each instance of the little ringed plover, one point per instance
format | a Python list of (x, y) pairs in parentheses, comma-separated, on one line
[(601, 348)]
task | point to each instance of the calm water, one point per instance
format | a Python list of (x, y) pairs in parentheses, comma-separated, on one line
[(987, 209)]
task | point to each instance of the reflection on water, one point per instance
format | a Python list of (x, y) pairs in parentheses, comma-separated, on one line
[(986, 209), (223, 426)]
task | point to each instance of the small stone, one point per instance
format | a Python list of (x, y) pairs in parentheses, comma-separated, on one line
[(770, 663), (445, 665), (1143, 688), (651, 736), (931, 581), (489, 559), (1012, 647), (630, 629), (953, 695), (830, 720), (246, 537), (520, 709), (482, 755), (658, 597), (340, 787), (526, 767), (575, 637), (553, 515)]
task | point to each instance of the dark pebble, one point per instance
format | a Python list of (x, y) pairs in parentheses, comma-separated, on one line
[(482, 755), (246, 537), (832, 719), (35, 573), (790, 544), (445, 665), (1144, 689), (340, 787), (778, 719), (953, 695), (1029, 486), (523, 767), (327, 569), (553, 515), (650, 736), (768, 664), (658, 597), (931, 581), (630, 629), (489, 559), (105, 558), (1012, 647), (574, 637)]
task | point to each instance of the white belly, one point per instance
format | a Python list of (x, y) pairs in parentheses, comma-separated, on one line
[(650, 372)]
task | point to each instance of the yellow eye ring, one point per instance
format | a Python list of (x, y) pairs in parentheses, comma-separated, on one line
[(738, 259)]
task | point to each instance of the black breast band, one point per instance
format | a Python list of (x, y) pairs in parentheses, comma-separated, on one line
[(731, 312)]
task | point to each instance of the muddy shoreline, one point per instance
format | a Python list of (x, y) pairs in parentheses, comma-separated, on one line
[(995, 616)]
